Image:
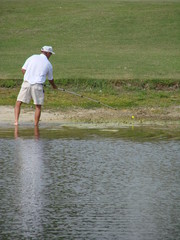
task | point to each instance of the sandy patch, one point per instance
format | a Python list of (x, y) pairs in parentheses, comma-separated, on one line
[(95, 116)]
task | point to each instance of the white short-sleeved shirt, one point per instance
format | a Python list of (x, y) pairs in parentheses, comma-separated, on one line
[(37, 67)]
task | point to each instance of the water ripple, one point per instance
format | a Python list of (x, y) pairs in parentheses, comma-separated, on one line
[(99, 188)]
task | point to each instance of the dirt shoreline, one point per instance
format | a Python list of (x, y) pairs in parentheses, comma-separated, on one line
[(99, 117)]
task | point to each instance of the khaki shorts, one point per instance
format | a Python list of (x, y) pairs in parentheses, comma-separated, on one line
[(31, 91)]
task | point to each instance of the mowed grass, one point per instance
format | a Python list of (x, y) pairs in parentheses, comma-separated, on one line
[(93, 39)]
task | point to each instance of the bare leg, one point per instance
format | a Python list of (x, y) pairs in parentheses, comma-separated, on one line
[(37, 115), (17, 110)]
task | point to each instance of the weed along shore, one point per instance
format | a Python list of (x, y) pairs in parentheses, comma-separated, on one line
[(133, 102)]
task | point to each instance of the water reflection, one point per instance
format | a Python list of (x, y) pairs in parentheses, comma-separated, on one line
[(73, 187), (30, 198), (36, 132)]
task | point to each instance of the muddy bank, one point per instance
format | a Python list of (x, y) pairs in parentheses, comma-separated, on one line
[(105, 117)]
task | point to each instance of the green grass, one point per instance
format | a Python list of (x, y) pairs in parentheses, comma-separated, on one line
[(93, 39), (124, 53), (117, 93)]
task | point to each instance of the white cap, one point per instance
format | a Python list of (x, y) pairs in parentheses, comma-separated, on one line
[(47, 49)]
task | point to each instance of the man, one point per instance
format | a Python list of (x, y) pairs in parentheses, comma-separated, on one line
[(35, 70)]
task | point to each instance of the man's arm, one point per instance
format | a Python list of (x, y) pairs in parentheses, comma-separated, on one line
[(53, 84)]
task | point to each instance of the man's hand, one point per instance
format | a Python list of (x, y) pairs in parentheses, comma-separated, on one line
[(53, 84)]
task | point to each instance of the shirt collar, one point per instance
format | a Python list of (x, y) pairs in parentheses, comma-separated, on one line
[(43, 55)]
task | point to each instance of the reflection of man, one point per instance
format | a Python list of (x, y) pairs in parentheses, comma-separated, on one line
[(36, 132), (35, 70), (16, 133), (30, 185)]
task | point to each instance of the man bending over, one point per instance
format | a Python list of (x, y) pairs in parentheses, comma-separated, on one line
[(35, 70)]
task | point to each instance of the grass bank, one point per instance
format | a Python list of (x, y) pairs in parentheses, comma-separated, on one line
[(120, 94), (102, 39), (97, 43)]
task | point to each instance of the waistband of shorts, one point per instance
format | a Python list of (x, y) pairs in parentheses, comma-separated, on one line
[(34, 83)]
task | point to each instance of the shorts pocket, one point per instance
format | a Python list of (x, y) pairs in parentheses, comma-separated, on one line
[(39, 87)]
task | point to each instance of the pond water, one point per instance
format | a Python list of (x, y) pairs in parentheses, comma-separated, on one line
[(70, 183)]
